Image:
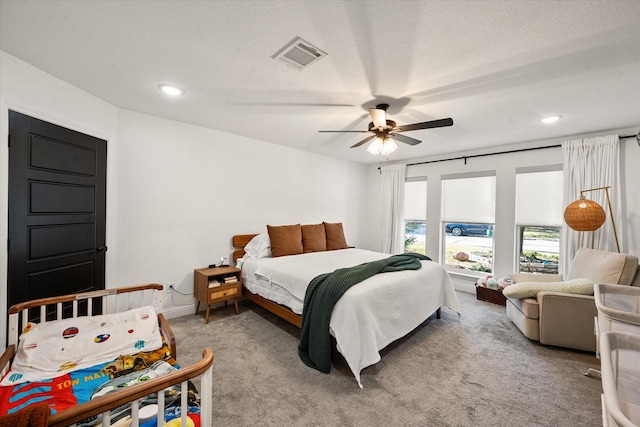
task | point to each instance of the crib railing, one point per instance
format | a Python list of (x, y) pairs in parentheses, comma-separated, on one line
[(111, 301), (85, 304), (103, 405)]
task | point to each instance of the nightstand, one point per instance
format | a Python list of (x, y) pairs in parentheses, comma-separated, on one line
[(211, 285)]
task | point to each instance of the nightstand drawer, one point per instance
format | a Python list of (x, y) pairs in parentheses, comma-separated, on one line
[(217, 295)]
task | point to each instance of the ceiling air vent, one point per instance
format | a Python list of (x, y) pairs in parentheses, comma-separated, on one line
[(299, 54)]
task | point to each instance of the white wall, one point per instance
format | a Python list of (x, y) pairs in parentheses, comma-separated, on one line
[(183, 191), (176, 193), (505, 166)]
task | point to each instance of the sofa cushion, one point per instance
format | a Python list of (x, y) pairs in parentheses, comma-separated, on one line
[(603, 266), (529, 327), (527, 306), (533, 277), (531, 289)]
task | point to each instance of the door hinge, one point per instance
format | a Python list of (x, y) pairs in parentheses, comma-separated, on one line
[(8, 245), (9, 140)]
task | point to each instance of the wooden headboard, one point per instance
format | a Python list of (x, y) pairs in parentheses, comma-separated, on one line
[(239, 242)]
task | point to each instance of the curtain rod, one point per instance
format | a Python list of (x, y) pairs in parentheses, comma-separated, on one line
[(483, 155), (500, 152)]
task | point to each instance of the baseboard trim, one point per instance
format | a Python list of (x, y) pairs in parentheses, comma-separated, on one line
[(463, 284), (173, 312)]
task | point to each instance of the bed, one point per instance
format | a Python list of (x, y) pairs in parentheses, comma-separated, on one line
[(136, 387), (368, 317)]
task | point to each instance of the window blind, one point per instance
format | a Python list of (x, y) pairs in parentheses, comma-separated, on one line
[(469, 200), (539, 199), (415, 201)]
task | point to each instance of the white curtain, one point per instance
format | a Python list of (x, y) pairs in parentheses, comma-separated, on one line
[(591, 163), (393, 208)]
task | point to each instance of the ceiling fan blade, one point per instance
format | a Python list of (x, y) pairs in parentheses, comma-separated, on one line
[(367, 139), (405, 139), (378, 117), (425, 125)]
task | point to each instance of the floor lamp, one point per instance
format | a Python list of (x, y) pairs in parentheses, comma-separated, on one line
[(587, 215)]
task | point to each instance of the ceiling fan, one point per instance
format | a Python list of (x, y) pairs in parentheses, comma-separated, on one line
[(385, 131)]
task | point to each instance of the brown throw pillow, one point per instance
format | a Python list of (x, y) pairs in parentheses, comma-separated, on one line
[(313, 238), (285, 239), (335, 236)]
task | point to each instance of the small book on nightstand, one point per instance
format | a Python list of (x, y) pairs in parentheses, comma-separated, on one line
[(213, 283)]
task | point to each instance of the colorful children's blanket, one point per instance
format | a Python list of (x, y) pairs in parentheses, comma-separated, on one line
[(50, 350), (80, 386)]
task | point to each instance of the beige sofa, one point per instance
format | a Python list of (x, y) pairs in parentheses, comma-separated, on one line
[(566, 319)]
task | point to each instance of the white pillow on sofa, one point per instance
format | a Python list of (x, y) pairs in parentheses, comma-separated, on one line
[(258, 247), (531, 289)]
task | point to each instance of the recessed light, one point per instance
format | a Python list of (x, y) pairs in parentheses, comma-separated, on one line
[(171, 90), (550, 119)]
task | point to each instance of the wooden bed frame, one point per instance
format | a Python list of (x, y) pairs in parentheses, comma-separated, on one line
[(239, 242), (113, 300)]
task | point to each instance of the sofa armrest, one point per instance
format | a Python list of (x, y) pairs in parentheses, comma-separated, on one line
[(566, 320)]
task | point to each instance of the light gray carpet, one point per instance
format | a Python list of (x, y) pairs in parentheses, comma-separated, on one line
[(476, 370)]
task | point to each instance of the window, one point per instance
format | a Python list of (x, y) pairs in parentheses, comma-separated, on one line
[(468, 213), (415, 216), (538, 229), (539, 249)]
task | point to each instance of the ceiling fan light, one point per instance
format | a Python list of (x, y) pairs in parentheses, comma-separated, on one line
[(376, 146), (388, 147)]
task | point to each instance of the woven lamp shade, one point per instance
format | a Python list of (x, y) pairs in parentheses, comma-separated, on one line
[(584, 215)]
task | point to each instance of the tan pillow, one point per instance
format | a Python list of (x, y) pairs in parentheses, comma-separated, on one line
[(313, 238), (285, 239), (335, 236)]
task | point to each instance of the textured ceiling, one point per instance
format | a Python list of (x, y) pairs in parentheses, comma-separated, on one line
[(495, 67)]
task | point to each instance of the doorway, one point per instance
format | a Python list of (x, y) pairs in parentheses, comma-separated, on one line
[(57, 210)]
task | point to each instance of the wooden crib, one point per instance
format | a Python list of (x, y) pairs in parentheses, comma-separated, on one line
[(106, 302)]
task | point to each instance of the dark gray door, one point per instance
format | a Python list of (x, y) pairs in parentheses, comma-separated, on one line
[(57, 210)]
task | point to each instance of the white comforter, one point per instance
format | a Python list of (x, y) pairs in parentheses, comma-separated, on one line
[(371, 314)]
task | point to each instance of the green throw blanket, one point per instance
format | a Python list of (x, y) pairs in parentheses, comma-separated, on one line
[(322, 295)]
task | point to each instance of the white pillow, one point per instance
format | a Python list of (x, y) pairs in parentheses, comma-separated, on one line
[(531, 289), (258, 247)]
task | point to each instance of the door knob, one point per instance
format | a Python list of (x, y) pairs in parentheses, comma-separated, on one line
[(101, 249)]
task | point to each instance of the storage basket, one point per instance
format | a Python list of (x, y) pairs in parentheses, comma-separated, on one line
[(490, 295), (620, 352)]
